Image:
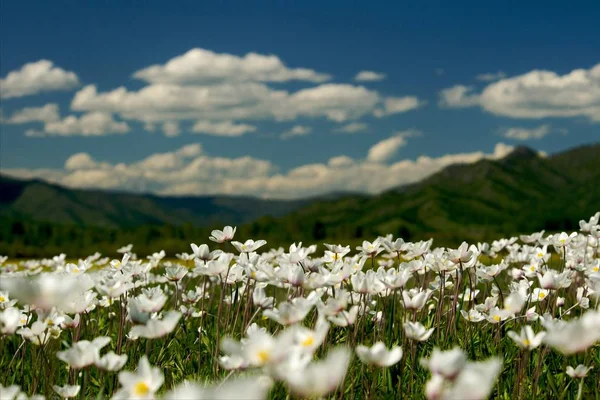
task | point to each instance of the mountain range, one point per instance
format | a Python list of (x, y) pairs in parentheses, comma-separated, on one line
[(523, 192)]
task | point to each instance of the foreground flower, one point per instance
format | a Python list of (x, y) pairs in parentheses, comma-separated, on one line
[(527, 339), (247, 388), (222, 236), (156, 328), (112, 361), (579, 372), (446, 363), (83, 353), (476, 380), (67, 391), (576, 335), (379, 355), (416, 331), (141, 384), (322, 377)]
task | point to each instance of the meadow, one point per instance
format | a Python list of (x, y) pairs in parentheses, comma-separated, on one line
[(517, 318)]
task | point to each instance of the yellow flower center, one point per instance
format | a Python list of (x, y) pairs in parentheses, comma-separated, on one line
[(253, 274), (141, 389), (263, 356), (496, 318), (243, 247), (595, 269), (50, 322), (75, 270), (308, 341), (563, 240), (526, 342), (2, 299), (336, 256), (540, 255), (532, 268), (542, 295)]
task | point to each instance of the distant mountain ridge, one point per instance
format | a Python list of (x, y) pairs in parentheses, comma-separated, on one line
[(522, 192), (43, 201), (519, 193)]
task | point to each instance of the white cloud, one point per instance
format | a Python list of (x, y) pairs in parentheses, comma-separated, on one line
[(205, 66), (520, 133), (227, 102), (47, 113), (458, 96), (171, 128), (536, 94), (352, 127), (492, 76), (225, 128), (387, 148), (201, 85), (37, 77), (188, 171), (395, 105), (369, 76), (297, 130), (90, 124)]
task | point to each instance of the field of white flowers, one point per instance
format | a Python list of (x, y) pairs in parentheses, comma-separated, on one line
[(515, 318)]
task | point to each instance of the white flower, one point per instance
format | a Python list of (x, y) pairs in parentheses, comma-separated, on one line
[(476, 380), (320, 378), (155, 328), (112, 361), (10, 320), (83, 353), (415, 299), (247, 388), (576, 335), (579, 372), (66, 391), (446, 363), (141, 384), (527, 339), (176, 273), (416, 331), (249, 245), (379, 355), (222, 236)]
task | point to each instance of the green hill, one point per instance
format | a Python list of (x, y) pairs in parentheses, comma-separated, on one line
[(40, 201), (521, 193)]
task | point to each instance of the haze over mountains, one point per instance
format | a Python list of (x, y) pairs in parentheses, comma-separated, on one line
[(520, 193)]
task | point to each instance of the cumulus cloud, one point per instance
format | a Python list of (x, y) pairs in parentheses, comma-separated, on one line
[(171, 128), (369, 76), (352, 127), (536, 94), (201, 85), (227, 102), (458, 96), (298, 130), (225, 128), (37, 77), (47, 113), (90, 124), (387, 148), (520, 133), (491, 76), (395, 105), (188, 171), (205, 66)]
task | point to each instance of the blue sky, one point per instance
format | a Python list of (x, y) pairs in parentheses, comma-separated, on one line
[(427, 95)]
